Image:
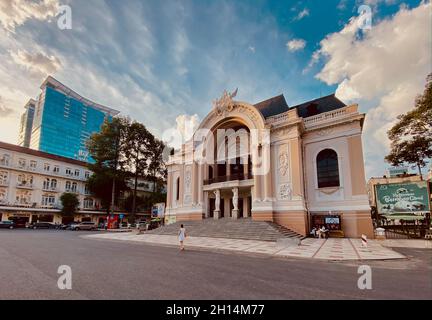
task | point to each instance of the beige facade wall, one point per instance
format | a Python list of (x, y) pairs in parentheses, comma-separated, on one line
[(294, 220), (355, 150)]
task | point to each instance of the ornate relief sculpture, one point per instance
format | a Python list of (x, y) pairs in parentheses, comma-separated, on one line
[(285, 191), (224, 103), (188, 179), (283, 163)]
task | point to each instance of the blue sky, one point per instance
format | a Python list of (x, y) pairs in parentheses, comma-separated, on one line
[(158, 60)]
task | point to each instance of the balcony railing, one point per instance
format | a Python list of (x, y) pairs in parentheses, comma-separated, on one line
[(24, 185), (49, 188), (232, 177)]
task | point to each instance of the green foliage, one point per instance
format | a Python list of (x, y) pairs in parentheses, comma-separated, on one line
[(70, 203), (411, 136), (106, 148), (124, 150)]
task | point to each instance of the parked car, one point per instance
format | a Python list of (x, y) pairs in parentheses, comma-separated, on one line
[(7, 224), (68, 226), (87, 225), (43, 225)]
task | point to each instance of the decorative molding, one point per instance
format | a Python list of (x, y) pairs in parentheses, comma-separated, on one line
[(283, 163), (188, 179), (224, 103), (285, 191)]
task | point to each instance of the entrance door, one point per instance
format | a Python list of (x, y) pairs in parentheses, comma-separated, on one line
[(240, 207)]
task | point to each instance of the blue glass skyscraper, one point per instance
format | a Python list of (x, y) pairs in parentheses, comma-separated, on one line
[(26, 124), (64, 120)]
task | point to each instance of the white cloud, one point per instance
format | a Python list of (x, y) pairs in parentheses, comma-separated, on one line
[(301, 14), (384, 70), (4, 110), (296, 44), (14, 13), (38, 62)]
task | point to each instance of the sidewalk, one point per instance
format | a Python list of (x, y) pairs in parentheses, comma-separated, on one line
[(324, 249)]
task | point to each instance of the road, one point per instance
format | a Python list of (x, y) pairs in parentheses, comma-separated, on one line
[(29, 260)]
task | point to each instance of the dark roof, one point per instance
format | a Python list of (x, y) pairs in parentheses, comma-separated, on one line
[(37, 153), (277, 105), (317, 106), (272, 106)]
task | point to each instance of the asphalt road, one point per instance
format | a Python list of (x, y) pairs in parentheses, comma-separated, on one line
[(29, 260)]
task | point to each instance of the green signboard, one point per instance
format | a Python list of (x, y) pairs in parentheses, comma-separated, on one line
[(403, 200)]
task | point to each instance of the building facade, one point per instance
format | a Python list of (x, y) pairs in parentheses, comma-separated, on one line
[(63, 121), (290, 165), (31, 183), (26, 124)]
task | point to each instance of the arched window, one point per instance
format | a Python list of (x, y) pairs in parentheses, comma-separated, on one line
[(327, 169), (178, 189)]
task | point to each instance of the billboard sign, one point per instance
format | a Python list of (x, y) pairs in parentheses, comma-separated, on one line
[(158, 210), (396, 171), (403, 200)]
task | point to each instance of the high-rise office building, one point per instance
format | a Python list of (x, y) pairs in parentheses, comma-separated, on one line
[(26, 124), (64, 120)]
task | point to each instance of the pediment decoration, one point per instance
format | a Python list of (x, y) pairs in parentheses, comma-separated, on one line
[(225, 103)]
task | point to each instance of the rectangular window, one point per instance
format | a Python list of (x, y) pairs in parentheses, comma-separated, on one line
[(77, 173), (87, 174), (56, 169), (48, 200), (68, 171), (46, 167)]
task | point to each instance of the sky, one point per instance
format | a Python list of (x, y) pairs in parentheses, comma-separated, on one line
[(163, 62)]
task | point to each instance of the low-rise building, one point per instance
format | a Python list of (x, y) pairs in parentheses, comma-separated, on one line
[(31, 183)]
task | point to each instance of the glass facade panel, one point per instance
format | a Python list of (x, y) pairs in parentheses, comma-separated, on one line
[(63, 124)]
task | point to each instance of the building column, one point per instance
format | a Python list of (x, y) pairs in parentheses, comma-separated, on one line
[(216, 212), (235, 211), (245, 166), (228, 167), (246, 207), (200, 183), (194, 183), (169, 189), (205, 205), (267, 175)]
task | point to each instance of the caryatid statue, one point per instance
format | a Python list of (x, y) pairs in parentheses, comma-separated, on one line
[(235, 198), (217, 201)]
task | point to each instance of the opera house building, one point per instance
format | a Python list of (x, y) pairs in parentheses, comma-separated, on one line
[(300, 167)]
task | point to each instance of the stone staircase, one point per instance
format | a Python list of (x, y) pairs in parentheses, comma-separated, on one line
[(244, 228)]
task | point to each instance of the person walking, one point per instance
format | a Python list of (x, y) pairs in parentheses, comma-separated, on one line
[(182, 237)]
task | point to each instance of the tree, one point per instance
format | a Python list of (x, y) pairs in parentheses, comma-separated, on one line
[(70, 203), (137, 148), (100, 183), (106, 148), (411, 136)]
